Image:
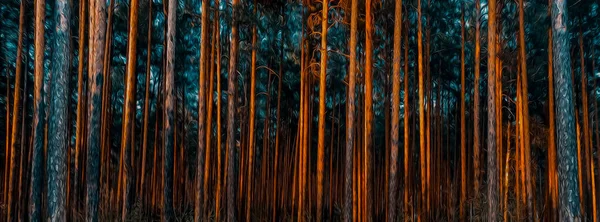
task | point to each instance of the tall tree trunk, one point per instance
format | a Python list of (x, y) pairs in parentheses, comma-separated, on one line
[(567, 156), (37, 170), (146, 101), (552, 171), (322, 104), (407, 153), (476, 101), (492, 164), (350, 112), (585, 120), (231, 110), (57, 124), (209, 111), (252, 122), (368, 111), (128, 107), (169, 122), (96, 67), (218, 76), (201, 112), (463, 148), (422, 142), (525, 110), (15, 118), (395, 137)]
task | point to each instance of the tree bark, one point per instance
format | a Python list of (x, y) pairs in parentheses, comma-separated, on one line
[(565, 127), (15, 113), (201, 112), (492, 163), (37, 169), (395, 137), (231, 110), (322, 106), (552, 171), (476, 101), (368, 106), (146, 101), (57, 124), (350, 112), (463, 150), (169, 122), (128, 106)]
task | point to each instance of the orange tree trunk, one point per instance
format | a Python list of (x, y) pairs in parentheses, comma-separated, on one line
[(168, 124), (350, 114), (36, 184), (231, 111), (463, 154), (322, 98), (201, 111), (492, 164)]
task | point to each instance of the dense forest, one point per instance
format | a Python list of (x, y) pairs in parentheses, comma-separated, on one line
[(289, 110)]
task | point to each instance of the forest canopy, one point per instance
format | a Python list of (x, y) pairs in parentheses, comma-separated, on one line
[(312, 110)]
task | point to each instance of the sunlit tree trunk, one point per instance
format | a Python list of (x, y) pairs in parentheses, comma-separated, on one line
[(463, 148), (525, 110), (368, 106), (231, 110), (252, 123), (37, 169), (169, 122), (200, 155), (350, 114), (209, 113), (567, 157), (8, 195), (218, 76), (476, 101), (422, 154), (128, 107), (492, 164)]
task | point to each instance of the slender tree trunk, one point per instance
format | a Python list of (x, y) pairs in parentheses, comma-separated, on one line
[(169, 122), (463, 148), (218, 76), (476, 101), (567, 170), (422, 142), (368, 121), (209, 112), (15, 118), (391, 207), (552, 171), (492, 164), (322, 98), (231, 110), (407, 153), (201, 112), (586, 117), (278, 135), (350, 112), (252, 123), (37, 169), (146, 101), (128, 106), (525, 110)]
